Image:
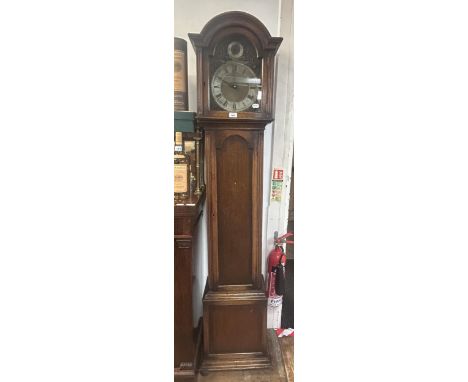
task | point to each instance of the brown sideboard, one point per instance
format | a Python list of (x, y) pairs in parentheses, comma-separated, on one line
[(186, 338)]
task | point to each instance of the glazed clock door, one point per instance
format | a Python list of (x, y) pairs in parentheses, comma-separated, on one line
[(235, 76), (235, 168)]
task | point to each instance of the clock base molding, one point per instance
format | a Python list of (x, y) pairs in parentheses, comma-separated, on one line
[(224, 362)]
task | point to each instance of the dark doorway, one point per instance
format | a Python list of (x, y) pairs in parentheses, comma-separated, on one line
[(287, 314)]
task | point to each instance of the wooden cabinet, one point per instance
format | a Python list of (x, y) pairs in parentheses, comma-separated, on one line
[(186, 338)]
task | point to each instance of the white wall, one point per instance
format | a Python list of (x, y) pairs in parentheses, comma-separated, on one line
[(190, 16), (283, 131), (200, 268)]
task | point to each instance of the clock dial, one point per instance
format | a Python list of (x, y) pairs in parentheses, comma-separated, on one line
[(235, 86)]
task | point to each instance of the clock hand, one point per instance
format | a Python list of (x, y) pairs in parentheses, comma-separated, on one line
[(243, 81), (228, 82), (234, 84)]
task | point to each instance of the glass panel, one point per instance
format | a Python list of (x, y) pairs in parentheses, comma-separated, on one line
[(235, 76)]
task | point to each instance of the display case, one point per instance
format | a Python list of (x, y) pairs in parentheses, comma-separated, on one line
[(187, 338), (187, 220)]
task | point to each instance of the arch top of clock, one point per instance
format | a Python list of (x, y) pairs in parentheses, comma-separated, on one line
[(235, 61)]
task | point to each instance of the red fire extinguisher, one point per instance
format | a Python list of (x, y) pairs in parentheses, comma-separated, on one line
[(276, 266)]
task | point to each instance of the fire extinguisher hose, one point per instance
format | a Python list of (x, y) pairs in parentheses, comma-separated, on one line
[(282, 239), (280, 278)]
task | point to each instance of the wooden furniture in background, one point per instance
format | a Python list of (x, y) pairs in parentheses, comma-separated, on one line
[(235, 60), (186, 338)]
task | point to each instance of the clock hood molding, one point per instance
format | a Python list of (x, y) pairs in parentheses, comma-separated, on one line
[(228, 22)]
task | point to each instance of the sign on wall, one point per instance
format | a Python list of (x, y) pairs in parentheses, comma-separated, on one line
[(277, 184)]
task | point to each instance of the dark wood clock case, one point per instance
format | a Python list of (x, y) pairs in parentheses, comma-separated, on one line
[(234, 305)]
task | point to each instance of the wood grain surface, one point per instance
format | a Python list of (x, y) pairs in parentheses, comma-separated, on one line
[(287, 351), (276, 373)]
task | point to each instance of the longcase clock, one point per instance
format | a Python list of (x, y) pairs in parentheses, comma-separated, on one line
[(235, 88)]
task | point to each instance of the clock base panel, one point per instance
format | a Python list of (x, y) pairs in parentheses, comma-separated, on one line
[(235, 334)]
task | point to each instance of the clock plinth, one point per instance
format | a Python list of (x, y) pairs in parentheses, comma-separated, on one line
[(235, 327), (235, 56)]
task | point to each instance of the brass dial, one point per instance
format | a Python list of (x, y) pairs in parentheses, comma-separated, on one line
[(235, 86)]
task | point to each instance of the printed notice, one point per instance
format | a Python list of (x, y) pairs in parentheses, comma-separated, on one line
[(277, 184)]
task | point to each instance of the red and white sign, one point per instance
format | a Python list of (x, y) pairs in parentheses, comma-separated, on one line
[(278, 174)]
